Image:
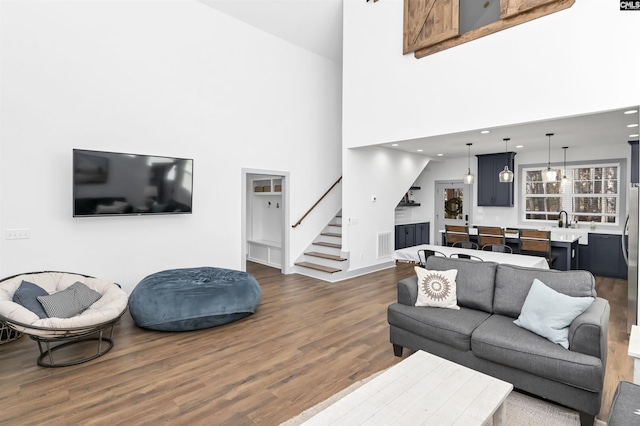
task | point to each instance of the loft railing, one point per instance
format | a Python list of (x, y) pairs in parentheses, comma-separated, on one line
[(316, 203)]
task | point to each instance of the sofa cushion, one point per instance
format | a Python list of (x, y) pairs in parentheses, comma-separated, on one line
[(436, 288), (452, 327), (499, 340), (513, 284), (474, 282), (549, 313)]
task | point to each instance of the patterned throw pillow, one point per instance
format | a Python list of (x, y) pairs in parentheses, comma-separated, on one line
[(70, 301), (437, 288)]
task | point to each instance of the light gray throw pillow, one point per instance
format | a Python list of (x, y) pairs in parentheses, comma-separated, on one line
[(70, 301), (549, 313)]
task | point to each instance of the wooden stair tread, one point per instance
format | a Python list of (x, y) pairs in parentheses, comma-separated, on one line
[(325, 256), (339, 225), (331, 234), (332, 245), (318, 267)]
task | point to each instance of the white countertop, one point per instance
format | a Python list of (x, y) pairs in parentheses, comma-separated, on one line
[(409, 221), (557, 234)]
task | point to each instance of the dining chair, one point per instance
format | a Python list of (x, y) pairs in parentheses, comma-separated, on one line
[(466, 244), (536, 243), (512, 232), (465, 256), (499, 248), (490, 235), (423, 254), (455, 233)]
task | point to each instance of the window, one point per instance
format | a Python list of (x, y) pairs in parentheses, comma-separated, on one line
[(591, 195)]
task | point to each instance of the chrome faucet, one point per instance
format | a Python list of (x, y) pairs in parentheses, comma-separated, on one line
[(566, 219)]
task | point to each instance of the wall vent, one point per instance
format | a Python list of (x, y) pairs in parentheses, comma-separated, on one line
[(385, 244)]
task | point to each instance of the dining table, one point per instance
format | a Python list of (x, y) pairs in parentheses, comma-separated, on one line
[(410, 254)]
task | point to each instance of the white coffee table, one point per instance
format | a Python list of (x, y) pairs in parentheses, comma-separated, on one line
[(421, 390)]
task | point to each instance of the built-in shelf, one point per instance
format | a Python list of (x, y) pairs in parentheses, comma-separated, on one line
[(404, 202), (267, 186), (264, 243)]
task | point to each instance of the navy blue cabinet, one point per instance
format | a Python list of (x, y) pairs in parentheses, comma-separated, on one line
[(412, 234), (605, 253), (491, 192)]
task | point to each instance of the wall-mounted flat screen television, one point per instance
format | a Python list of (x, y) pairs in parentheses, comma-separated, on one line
[(115, 184)]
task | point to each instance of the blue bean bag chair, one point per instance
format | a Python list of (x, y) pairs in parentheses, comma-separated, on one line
[(193, 298)]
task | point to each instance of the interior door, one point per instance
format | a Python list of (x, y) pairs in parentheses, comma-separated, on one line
[(453, 201)]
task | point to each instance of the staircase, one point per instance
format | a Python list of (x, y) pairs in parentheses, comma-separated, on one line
[(324, 258)]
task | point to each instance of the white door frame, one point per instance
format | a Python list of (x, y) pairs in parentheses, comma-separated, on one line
[(467, 207), (246, 193)]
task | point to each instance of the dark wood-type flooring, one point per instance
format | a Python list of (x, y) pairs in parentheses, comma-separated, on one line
[(308, 340)]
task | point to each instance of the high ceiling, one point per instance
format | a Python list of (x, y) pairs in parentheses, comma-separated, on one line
[(316, 25)]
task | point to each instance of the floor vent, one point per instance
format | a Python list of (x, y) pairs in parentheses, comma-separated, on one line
[(385, 244)]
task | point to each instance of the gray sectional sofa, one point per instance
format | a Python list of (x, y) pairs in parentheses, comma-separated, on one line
[(482, 335)]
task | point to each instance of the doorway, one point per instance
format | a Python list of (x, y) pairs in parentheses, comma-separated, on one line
[(265, 215), (453, 202)]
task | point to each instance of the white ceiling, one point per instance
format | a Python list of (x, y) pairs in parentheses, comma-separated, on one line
[(316, 25), (573, 132)]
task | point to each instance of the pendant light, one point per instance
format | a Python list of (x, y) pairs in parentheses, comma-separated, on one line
[(506, 175), (469, 177), (549, 175), (565, 179)]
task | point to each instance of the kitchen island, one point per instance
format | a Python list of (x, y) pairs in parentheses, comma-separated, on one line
[(564, 244)]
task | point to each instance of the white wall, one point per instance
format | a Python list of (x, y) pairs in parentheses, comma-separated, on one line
[(551, 67), (381, 173), (173, 78), (554, 66)]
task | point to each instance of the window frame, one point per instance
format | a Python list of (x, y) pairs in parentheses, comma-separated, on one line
[(621, 195)]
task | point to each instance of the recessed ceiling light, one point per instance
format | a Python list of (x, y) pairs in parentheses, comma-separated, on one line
[(634, 136), (440, 155), (420, 150), (631, 111), (519, 146), (394, 144), (632, 125), (484, 132)]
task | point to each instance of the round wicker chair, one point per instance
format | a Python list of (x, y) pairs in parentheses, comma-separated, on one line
[(95, 323)]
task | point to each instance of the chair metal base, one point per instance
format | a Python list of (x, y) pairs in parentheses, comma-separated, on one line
[(46, 353)]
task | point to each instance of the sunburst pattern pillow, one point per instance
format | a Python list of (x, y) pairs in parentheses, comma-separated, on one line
[(437, 288)]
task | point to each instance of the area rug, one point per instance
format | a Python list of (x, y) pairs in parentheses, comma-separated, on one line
[(522, 410)]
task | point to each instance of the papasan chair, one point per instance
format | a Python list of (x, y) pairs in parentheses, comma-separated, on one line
[(59, 309)]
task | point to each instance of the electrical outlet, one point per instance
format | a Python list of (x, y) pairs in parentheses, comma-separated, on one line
[(17, 234)]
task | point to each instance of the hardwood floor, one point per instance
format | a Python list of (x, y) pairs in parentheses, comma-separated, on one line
[(308, 340)]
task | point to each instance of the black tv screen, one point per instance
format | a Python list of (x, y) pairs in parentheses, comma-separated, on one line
[(115, 183)]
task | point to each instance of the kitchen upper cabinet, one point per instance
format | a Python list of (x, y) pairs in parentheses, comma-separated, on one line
[(492, 192)]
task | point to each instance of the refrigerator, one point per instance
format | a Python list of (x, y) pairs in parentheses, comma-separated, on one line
[(630, 253)]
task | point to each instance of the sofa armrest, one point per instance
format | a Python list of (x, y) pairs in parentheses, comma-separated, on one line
[(408, 291), (588, 333)]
